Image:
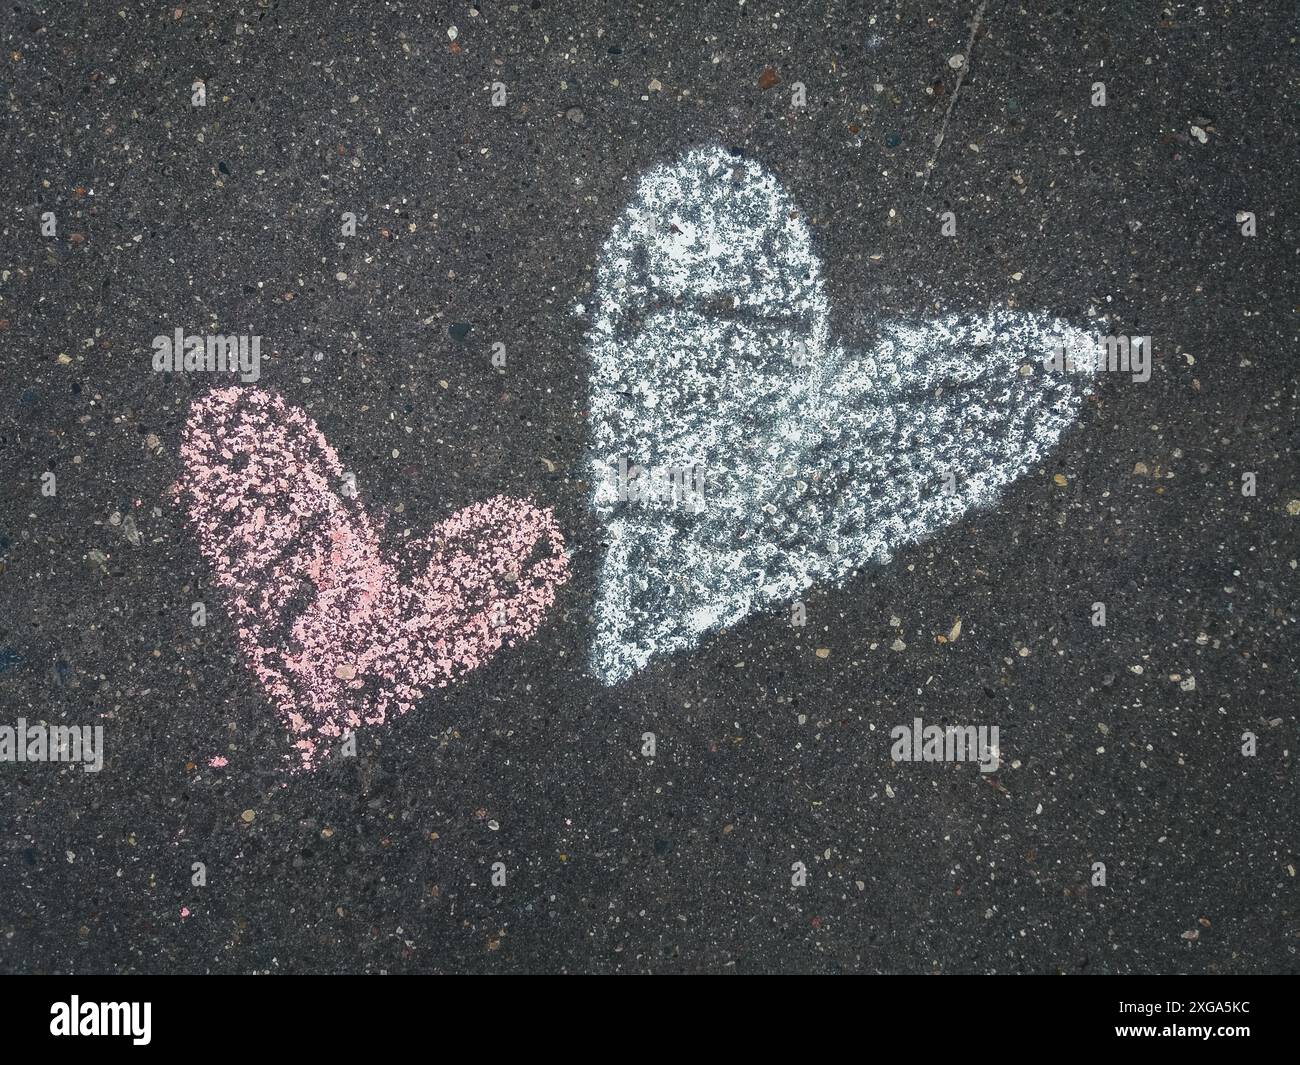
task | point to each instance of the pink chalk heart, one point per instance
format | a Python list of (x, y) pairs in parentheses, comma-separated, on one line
[(341, 634)]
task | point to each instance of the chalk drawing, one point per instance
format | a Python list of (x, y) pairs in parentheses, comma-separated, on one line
[(341, 634), (710, 347)]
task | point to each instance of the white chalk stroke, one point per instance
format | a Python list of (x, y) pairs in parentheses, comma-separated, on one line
[(711, 348)]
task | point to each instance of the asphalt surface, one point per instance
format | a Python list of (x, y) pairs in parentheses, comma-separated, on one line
[(772, 741)]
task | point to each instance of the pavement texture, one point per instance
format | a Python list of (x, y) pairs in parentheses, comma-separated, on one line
[(1120, 745)]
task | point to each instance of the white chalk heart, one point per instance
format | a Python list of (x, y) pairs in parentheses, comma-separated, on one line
[(739, 456)]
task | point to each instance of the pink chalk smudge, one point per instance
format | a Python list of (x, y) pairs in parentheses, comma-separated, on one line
[(340, 634), (218, 762), (185, 912)]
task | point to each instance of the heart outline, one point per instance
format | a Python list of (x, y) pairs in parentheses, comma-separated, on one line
[(708, 287), (339, 634)]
